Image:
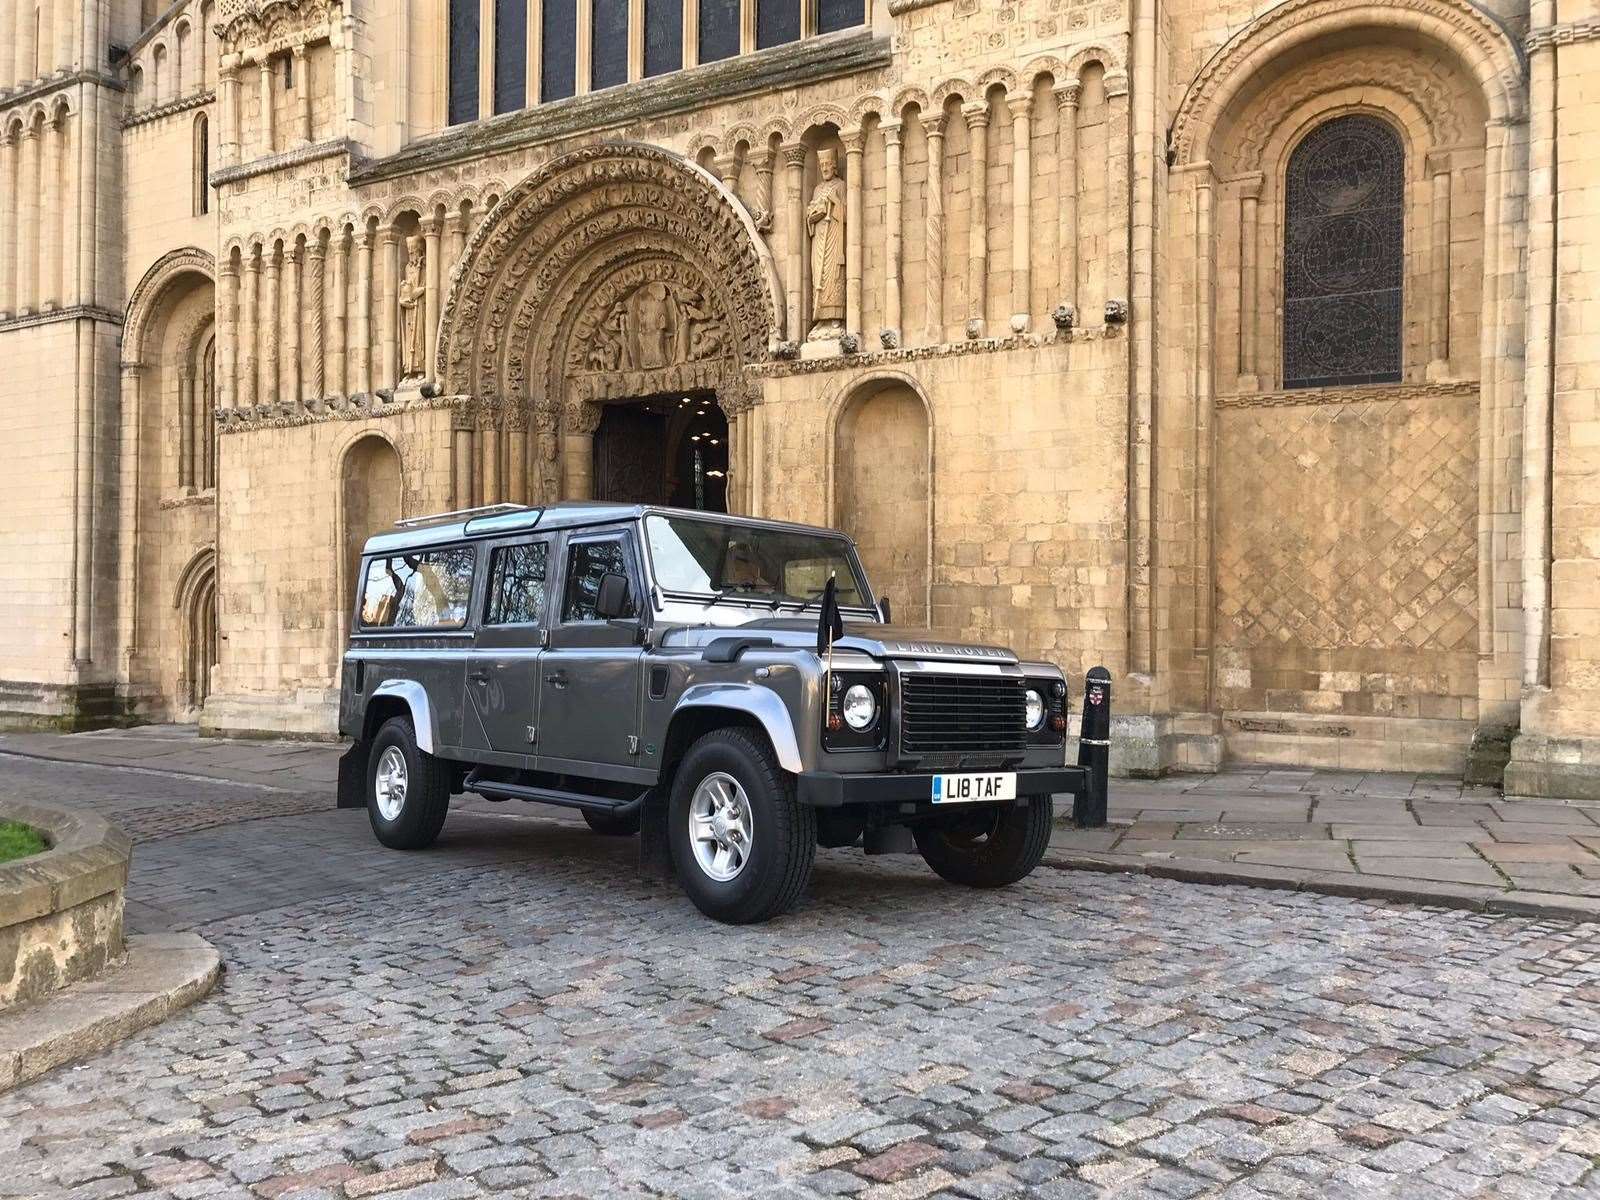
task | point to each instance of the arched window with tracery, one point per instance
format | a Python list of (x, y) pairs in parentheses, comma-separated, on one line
[(1344, 255)]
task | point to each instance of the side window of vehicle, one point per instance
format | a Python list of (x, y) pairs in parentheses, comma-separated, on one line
[(426, 590), (517, 584), (587, 564)]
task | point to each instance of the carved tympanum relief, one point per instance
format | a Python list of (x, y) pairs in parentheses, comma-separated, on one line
[(659, 324)]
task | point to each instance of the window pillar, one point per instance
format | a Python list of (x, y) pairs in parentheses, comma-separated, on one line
[(302, 96), (264, 82), (388, 372), (53, 194), (186, 429), (1117, 193), (854, 147), (271, 376), (338, 368), (313, 372), (1249, 289), (10, 224), (363, 338), (1022, 211), (486, 38), (794, 158), (435, 281), (249, 382), (28, 219), (1067, 194), (977, 117), (228, 89), (934, 253), (26, 55), (227, 333), (891, 230), (290, 381), (1440, 176)]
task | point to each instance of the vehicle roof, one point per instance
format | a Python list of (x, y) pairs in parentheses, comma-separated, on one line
[(566, 514)]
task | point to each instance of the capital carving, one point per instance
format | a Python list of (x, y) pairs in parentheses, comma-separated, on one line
[(583, 417), (933, 124), (976, 113), (794, 156), (1020, 106), (891, 132), (1068, 94), (854, 141)]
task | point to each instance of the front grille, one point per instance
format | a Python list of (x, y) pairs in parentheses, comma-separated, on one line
[(961, 714)]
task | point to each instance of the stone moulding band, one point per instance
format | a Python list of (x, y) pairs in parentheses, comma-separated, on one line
[(1373, 394), (880, 358), (1562, 35), (277, 162), (172, 107)]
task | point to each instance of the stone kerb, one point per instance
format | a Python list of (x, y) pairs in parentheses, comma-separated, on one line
[(61, 910)]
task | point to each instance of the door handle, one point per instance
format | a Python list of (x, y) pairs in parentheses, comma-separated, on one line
[(559, 679)]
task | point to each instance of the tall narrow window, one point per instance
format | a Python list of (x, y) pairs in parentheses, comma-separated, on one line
[(1344, 255), (558, 49), (202, 166), (834, 15), (608, 53), (777, 22), (463, 61), (663, 36), (510, 55), (719, 29)]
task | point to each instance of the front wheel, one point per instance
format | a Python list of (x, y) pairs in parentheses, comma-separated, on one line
[(988, 847), (408, 789), (742, 844)]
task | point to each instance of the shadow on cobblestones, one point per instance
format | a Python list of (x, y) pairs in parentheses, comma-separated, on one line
[(517, 1013)]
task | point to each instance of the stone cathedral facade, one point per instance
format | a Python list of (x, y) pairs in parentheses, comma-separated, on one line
[(1248, 347)]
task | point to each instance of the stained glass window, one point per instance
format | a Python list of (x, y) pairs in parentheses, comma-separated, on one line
[(510, 54), (777, 21), (558, 49), (719, 29), (463, 61), (609, 53), (663, 36), (1344, 255), (834, 15)]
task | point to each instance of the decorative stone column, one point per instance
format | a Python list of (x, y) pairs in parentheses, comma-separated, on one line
[(977, 117), (388, 310), (28, 219), (727, 168), (53, 196), (461, 432), (455, 225), (227, 334), (250, 390), (761, 208), (290, 382), (338, 369), (186, 430), (577, 448), (934, 251), (312, 373), (272, 311), (269, 138), (1249, 289), (228, 97), (1067, 194), (23, 47), (516, 484), (435, 277), (891, 228), (66, 57), (362, 342), (854, 146), (794, 158), (1439, 175), (10, 224), (1021, 211), (302, 97), (1117, 193)]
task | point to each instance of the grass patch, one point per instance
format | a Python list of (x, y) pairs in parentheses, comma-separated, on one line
[(19, 841)]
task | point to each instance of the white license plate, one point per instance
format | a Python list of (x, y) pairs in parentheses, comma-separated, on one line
[(965, 789)]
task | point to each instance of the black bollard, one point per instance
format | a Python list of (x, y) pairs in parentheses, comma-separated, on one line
[(1094, 749)]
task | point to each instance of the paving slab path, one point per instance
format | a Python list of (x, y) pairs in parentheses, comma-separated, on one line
[(514, 1012)]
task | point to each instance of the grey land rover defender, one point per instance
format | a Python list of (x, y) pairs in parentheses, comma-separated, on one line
[(666, 672)]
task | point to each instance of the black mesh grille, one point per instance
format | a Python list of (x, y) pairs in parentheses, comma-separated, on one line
[(958, 714)]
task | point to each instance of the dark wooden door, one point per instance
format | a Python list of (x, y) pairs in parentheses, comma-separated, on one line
[(630, 457)]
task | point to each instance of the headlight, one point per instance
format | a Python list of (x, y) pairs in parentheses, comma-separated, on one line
[(859, 707), (1035, 717)]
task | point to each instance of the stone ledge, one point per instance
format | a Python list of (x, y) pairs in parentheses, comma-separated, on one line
[(161, 975), (60, 911), (1470, 897)]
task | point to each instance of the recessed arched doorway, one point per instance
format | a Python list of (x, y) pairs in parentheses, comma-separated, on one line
[(663, 450)]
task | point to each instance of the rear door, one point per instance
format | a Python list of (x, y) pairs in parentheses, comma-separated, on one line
[(503, 664), (589, 697)]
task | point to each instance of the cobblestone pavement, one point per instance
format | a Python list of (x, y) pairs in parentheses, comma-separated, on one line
[(515, 1012)]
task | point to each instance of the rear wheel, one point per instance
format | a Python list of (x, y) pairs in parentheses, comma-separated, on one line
[(988, 847), (742, 844), (408, 790), (611, 825)]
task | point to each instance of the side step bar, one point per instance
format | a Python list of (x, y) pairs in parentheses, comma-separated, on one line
[(494, 789)]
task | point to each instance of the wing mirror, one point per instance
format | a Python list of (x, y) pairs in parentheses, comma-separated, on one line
[(612, 600), (884, 611)]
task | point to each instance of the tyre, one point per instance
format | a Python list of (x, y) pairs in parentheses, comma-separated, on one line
[(611, 825), (408, 791), (742, 845), (988, 847)]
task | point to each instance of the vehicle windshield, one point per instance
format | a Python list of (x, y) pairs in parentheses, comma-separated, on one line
[(779, 566)]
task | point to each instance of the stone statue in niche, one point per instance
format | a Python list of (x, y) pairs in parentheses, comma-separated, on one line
[(413, 295), (825, 221)]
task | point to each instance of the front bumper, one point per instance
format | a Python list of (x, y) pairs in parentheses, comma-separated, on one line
[(829, 789)]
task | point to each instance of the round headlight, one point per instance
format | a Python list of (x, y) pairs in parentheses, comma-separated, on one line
[(859, 707), (1035, 717)]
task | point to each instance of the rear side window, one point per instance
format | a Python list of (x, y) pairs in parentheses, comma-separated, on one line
[(426, 590), (587, 564), (516, 584)]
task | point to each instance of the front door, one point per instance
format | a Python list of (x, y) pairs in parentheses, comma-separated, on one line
[(670, 450), (589, 674), (503, 665)]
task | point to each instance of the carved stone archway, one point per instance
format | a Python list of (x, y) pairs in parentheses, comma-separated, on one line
[(614, 272)]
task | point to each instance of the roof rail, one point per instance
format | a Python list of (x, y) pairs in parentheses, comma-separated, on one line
[(460, 514)]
